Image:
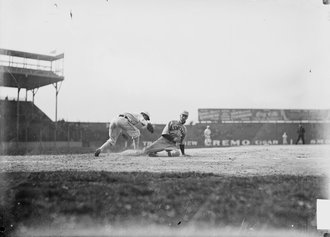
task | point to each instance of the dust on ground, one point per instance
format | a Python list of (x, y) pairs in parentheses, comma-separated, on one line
[(237, 161)]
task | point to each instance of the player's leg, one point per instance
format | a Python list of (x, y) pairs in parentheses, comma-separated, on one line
[(136, 142), (160, 144), (154, 147), (173, 152), (132, 131), (114, 132)]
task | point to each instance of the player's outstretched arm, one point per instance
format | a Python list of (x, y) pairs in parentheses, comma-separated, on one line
[(182, 150), (150, 128)]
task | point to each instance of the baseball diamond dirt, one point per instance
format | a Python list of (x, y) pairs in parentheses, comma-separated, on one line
[(237, 161), (233, 191)]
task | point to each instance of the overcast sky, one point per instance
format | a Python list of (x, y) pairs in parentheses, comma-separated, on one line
[(168, 56)]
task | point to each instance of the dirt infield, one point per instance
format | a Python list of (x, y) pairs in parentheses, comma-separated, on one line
[(237, 161), (239, 191)]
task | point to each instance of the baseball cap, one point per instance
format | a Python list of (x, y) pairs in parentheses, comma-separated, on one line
[(185, 113), (146, 113)]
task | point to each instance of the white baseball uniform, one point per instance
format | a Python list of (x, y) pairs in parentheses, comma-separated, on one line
[(174, 130), (127, 122)]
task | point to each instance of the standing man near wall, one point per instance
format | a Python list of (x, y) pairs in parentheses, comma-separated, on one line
[(301, 134), (172, 136), (285, 138), (207, 136)]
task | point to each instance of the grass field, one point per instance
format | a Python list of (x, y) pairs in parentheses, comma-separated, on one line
[(241, 191)]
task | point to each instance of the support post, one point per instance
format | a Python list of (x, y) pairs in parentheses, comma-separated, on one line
[(17, 115), (34, 92), (57, 90), (56, 95)]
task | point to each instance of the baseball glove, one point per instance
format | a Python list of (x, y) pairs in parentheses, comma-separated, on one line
[(150, 128)]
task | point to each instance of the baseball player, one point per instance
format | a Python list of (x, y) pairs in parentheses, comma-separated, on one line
[(129, 123), (172, 136)]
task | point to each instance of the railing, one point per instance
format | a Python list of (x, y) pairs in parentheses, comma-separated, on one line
[(13, 98), (26, 65), (55, 66)]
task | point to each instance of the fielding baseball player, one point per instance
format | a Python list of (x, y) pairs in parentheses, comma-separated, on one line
[(128, 123), (172, 137)]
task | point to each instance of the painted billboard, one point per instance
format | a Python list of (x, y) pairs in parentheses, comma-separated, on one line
[(261, 115)]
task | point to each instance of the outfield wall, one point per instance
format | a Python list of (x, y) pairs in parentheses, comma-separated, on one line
[(238, 134), (92, 135)]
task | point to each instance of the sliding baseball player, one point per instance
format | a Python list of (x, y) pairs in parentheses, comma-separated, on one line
[(171, 139)]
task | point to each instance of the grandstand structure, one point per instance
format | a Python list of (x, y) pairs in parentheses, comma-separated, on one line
[(29, 71)]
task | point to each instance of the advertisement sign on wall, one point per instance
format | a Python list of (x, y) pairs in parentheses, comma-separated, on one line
[(261, 115)]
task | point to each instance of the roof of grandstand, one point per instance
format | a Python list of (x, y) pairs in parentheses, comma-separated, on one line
[(22, 54), (29, 70)]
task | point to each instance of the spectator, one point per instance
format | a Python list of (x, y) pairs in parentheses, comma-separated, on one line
[(301, 134), (207, 136), (172, 137), (285, 138)]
